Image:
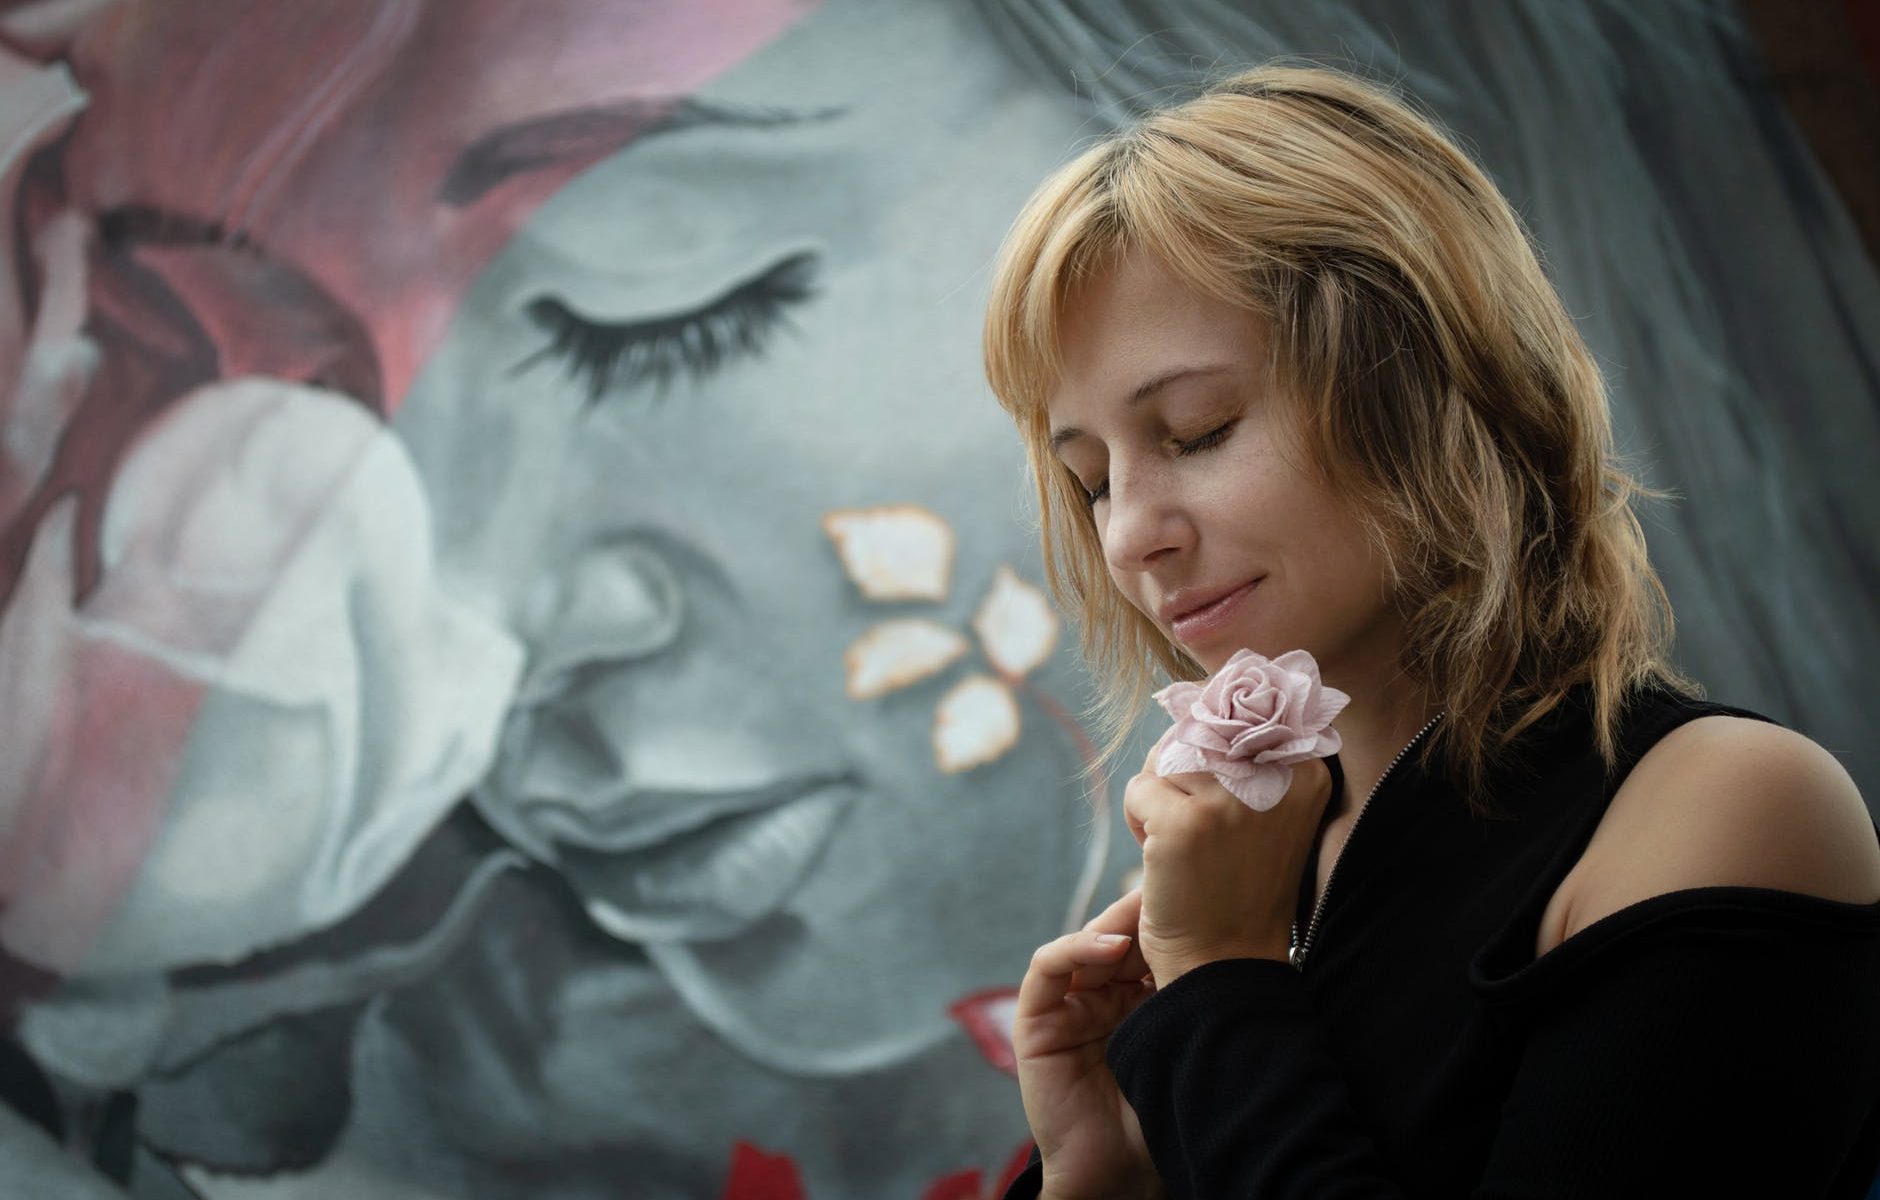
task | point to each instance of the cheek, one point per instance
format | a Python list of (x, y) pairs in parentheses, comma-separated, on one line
[(1130, 586), (1248, 480), (1357, 560)]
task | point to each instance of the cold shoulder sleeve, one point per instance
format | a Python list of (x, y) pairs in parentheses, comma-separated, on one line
[(1712, 1041), (1709, 1041)]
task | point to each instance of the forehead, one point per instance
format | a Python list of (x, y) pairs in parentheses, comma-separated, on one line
[(1135, 321)]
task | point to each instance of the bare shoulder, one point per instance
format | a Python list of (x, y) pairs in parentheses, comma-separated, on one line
[(1728, 801)]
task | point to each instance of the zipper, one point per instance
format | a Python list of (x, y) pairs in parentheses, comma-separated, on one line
[(1296, 953)]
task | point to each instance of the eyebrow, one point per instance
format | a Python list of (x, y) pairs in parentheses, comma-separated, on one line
[(578, 134), (1071, 433)]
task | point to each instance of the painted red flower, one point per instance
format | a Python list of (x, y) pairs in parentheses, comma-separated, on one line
[(757, 1175)]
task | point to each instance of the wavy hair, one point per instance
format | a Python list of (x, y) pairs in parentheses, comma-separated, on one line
[(1437, 381)]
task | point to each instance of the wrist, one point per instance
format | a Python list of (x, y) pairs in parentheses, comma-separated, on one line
[(1150, 1189), (1140, 1185), (1175, 969)]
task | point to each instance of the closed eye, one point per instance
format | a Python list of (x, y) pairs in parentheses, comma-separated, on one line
[(606, 356), (1206, 441)]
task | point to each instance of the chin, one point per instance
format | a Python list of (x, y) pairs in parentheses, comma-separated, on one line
[(1214, 657), (1212, 660)]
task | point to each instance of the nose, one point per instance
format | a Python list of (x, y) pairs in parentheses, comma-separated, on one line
[(618, 601), (1143, 522)]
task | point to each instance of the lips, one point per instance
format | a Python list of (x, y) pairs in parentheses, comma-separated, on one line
[(1189, 601), (669, 864), (643, 817)]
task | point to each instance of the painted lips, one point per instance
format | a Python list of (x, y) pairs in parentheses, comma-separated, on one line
[(680, 865)]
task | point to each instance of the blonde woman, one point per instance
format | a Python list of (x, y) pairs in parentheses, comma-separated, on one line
[(1291, 376)]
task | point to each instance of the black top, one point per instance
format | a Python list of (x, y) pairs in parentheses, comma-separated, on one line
[(1709, 1041)]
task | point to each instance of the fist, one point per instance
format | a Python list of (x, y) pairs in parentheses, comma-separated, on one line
[(1219, 879)]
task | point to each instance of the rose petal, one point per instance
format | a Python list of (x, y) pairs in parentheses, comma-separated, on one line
[(1330, 703), (1250, 741), (1295, 694), (1204, 734), (1235, 768), (1179, 758), (1298, 662), (1291, 751), (1178, 698), (1258, 697), (1262, 789)]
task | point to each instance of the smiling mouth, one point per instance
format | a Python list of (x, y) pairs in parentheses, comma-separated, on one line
[(646, 817), (1208, 618), (696, 866)]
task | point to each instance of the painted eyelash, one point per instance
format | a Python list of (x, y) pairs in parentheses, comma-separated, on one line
[(1206, 441), (736, 325)]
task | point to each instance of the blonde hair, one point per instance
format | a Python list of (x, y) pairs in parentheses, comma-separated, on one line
[(1437, 381)]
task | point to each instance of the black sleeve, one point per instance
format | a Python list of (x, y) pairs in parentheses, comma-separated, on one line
[(1030, 1181), (1689, 1057), (1709, 1054), (1237, 1093)]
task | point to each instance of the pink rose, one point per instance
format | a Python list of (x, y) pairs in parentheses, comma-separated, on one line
[(1250, 723)]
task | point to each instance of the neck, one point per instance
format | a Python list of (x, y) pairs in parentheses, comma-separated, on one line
[(1374, 728)]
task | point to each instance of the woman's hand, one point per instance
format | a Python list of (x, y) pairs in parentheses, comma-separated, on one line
[(1078, 990), (1219, 880)]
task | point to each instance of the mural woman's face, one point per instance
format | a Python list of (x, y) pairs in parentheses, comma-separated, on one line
[(763, 313)]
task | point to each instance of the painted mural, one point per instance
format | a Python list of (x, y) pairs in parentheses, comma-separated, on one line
[(522, 655)]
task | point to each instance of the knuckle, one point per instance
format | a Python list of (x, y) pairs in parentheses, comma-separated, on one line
[(1213, 810), (1053, 952), (1161, 847), (1184, 821)]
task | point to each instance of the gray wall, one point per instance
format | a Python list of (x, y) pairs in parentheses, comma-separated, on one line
[(441, 446)]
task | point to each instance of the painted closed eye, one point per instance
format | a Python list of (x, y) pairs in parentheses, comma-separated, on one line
[(1206, 441), (605, 356)]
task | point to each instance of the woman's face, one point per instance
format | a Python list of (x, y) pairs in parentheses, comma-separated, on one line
[(648, 404), (1201, 493)]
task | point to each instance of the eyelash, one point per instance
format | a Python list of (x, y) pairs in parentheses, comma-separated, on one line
[(1206, 441), (736, 325)]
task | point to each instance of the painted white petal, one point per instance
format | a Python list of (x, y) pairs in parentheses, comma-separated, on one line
[(976, 722), (1015, 624), (893, 552), (269, 555), (896, 653)]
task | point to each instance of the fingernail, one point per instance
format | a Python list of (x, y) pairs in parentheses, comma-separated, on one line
[(1112, 939)]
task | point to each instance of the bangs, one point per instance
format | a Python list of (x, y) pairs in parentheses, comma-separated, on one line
[(1142, 190), (1069, 226)]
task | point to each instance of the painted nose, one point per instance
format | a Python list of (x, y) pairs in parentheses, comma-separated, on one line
[(621, 602)]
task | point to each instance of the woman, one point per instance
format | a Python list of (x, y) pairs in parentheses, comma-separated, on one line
[(1290, 377)]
